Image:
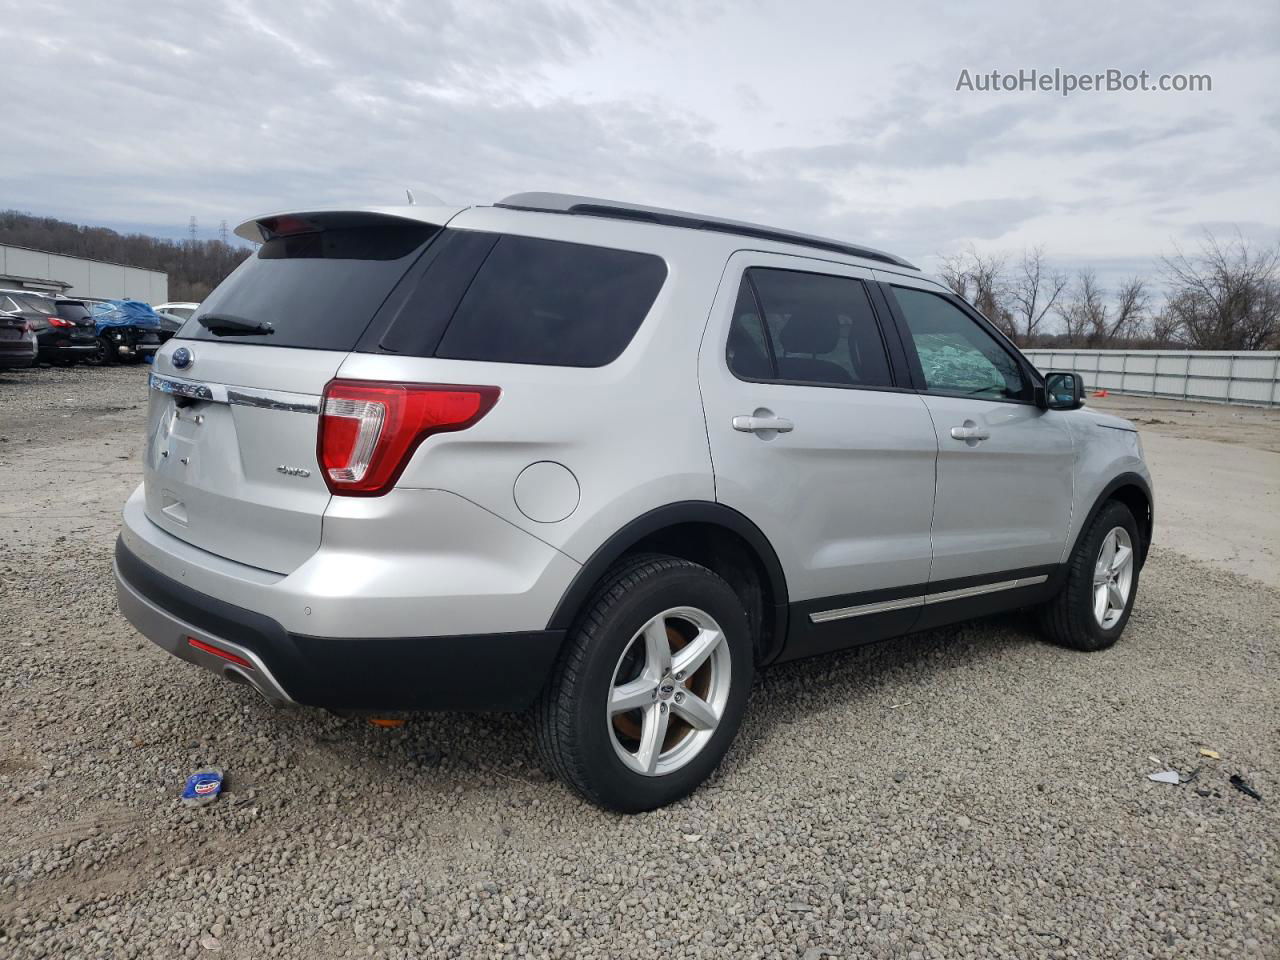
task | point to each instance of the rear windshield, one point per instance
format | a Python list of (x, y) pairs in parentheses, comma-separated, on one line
[(73, 311), (317, 290)]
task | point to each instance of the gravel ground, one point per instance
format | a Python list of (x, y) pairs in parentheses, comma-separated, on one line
[(1217, 470), (971, 792)]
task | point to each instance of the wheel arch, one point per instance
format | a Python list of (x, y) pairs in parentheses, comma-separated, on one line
[(703, 532), (1134, 492)]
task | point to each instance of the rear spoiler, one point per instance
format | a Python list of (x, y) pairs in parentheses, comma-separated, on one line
[(289, 222)]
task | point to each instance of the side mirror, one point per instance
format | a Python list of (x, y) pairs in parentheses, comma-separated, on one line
[(1063, 391)]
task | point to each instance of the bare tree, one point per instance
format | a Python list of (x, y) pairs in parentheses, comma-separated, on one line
[(1084, 309), (1162, 329), (979, 278), (1126, 322), (1226, 296), (194, 268), (955, 273), (1033, 292)]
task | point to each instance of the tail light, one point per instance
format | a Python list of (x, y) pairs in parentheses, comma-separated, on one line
[(59, 322), (368, 430)]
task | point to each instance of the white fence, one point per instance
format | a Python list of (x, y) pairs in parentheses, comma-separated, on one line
[(1220, 376)]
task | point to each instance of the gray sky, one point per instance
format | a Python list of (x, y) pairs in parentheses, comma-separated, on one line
[(839, 118)]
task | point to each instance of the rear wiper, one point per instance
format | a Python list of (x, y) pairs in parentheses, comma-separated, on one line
[(225, 325)]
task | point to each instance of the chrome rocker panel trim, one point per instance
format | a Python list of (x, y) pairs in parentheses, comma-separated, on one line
[(906, 603)]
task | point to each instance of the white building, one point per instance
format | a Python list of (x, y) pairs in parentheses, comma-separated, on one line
[(24, 269)]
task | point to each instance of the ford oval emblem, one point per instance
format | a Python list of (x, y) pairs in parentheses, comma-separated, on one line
[(182, 358)]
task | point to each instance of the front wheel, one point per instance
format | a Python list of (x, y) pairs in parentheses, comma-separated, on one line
[(1093, 606), (651, 687)]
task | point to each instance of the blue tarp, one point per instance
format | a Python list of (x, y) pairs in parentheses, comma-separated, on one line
[(125, 313)]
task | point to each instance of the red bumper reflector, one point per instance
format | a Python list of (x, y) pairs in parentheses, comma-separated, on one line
[(217, 652)]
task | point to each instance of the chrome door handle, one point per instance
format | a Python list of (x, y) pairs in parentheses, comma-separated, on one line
[(760, 424), (970, 432)]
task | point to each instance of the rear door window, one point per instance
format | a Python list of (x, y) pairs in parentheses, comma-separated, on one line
[(554, 303), (808, 328), (317, 290)]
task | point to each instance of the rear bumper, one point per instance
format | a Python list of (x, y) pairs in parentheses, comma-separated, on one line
[(17, 353), (503, 671)]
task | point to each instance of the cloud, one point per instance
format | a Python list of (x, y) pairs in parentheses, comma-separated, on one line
[(812, 116)]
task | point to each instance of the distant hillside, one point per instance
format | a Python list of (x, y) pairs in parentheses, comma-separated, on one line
[(194, 267)]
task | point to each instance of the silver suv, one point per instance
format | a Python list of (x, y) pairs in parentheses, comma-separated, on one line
[(604, 461)]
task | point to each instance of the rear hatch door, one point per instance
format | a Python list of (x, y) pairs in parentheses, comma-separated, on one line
[(13, 339), (231, 464), (12, 326)]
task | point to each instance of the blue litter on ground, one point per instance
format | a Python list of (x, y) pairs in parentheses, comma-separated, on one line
[(203, 786)]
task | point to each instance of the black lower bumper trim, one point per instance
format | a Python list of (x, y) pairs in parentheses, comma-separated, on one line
[(500, 671)]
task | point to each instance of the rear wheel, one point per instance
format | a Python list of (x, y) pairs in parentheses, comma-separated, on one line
[(104, 353), (650, 689), (1091, 610)]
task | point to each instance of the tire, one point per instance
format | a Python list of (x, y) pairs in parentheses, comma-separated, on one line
[(609, 657), (105, 354), (1071, 618)]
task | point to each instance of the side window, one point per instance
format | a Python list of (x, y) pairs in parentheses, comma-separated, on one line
[(555, 303), (38, 305), (749, 353), (957, 355), (8, 306), (816, 329)]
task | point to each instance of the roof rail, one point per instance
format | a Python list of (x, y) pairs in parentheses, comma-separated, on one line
[(614, 210)]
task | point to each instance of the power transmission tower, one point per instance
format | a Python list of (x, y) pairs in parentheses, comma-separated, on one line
[(222, 231), (191, 228)]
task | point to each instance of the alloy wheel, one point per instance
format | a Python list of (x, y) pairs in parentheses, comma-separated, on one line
[(669, 691), (1112, 577)]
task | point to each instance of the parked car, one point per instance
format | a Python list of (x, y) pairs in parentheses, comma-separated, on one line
[(62, 335), (178, 308), (170, 324), (17, 342), (606, 461), (127, 330)]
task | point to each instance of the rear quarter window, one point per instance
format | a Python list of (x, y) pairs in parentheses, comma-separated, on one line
[(38, 305), (553, 303)]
